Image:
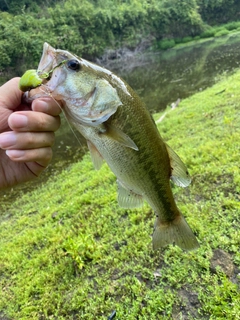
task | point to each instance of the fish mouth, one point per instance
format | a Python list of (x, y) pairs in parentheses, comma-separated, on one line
[(47, 59), (84, 106), (50, 61)]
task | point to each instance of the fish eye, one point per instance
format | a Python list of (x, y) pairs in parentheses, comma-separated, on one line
[(73, 65)]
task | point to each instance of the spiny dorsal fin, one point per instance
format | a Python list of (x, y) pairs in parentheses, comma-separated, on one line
[(179, 174), (127, 198), (96, 157)]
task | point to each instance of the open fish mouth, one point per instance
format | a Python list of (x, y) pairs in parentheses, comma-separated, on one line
[(48, 64), (81, 99), (50, 61)]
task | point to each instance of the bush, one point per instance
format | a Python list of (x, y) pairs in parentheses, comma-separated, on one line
[(166, 44), (221, 33), (186, 39), (232, 25), (196, 38), (178, 40), (208, 33)]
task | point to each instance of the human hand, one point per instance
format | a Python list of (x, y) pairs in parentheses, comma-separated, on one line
[(26, 134)]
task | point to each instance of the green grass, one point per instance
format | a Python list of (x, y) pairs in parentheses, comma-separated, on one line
[(209, 33), (69, 252)]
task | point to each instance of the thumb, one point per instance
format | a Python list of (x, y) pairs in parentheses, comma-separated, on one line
[(10, 94), (10, 100)]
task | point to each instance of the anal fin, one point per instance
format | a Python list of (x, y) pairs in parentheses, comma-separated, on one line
[(127, 198)]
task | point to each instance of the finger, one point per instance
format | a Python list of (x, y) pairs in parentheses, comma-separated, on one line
[(10, 94), (41, 155), (47, 105), (26, 140), (35, 168), (33, 121)]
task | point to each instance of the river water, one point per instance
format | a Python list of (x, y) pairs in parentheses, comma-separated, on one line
[(159, 78)]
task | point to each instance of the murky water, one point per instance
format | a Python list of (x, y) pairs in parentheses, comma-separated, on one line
[(160, 79)]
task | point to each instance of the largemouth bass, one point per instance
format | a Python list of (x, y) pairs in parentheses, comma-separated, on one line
[(119, 129)]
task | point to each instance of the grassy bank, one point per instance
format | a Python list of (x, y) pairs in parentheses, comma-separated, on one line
[(67, 251), (209, 33)]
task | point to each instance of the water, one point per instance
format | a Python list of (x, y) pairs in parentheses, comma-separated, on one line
[(160, 79)]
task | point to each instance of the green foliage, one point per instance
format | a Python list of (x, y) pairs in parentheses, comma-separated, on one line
[(69, 252), (22, 36), (85, 28), (166, 44), (221, 33), (218, 11), (89, 27), (178, 40), (220, 299), (177, 18), (186, 39), (18, 6), (216, 31), (232, 25), (208, 33)]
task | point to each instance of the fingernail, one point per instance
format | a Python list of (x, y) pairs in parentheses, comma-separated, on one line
[(7, 140), (15, 153), (18, 120)]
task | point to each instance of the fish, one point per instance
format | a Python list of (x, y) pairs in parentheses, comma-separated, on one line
[(119, 129)]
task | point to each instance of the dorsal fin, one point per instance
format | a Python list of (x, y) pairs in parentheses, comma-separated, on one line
[(179, 173)]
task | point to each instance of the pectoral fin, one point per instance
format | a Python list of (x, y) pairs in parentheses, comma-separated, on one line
[(97, 159), (119, 136), (127, 198), (179, 174)]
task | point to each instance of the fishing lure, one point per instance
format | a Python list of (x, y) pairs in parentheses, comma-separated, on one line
[(31, 79), (34, 78)]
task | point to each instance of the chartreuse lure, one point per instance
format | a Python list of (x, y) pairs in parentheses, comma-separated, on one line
[(34, 78)]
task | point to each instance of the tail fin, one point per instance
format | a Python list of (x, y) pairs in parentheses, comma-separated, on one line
[(176, 232)]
